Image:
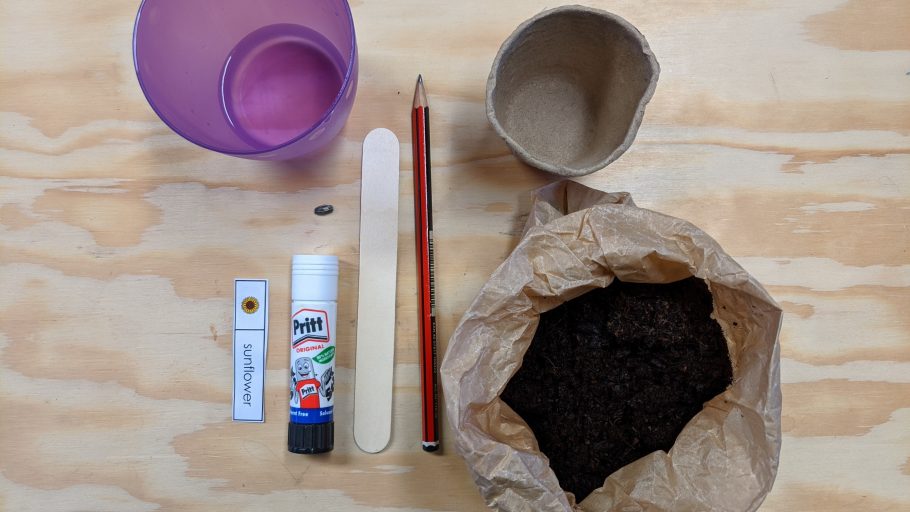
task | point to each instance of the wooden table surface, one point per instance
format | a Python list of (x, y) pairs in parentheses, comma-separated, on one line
[(780, 128)]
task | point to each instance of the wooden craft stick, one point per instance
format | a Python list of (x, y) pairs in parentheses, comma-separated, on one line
[(376, 306)]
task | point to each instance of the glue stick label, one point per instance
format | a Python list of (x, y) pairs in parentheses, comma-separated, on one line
[(312, 363)]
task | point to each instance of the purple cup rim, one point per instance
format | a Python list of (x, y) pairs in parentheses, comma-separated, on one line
[(345, 84)]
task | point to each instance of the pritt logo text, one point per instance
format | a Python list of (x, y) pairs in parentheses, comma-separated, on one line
[(310, 325)]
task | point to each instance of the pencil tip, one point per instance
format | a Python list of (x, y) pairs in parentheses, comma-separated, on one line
[(420, 93)]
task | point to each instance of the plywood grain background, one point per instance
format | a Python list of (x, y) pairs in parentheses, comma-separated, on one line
[(781, 128)]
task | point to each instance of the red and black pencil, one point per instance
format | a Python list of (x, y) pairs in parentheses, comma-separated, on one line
[(423, 222)]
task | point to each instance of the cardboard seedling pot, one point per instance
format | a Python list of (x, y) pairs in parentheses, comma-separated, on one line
[(568, 89)]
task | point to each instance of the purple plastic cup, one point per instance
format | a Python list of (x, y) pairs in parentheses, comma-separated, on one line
[(264, 79)]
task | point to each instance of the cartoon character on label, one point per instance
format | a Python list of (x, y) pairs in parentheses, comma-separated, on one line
[(306, 385)]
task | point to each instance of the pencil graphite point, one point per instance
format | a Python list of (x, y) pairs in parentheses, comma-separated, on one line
[(420, 94)]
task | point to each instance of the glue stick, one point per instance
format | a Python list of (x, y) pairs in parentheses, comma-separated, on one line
[(314, 292)]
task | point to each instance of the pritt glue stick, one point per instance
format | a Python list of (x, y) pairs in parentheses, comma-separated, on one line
[(314, 292)]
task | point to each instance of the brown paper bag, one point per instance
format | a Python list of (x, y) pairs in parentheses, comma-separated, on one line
[(577, 239)]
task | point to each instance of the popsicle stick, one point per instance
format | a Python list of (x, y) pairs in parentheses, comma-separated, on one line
[(376, 305)]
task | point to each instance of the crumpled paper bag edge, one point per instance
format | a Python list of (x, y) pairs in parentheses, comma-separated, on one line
[(503, 460)]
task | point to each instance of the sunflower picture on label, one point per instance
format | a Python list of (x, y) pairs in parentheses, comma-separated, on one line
[(250, 305)]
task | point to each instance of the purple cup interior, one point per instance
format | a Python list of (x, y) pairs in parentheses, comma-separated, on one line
[(264, 79)]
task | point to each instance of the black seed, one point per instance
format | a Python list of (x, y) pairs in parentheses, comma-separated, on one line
[(324, 209)]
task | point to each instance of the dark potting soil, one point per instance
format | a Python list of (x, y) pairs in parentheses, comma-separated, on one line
[(616, 374)]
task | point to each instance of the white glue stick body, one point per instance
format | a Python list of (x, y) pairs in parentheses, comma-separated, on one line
[(314, 295)]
